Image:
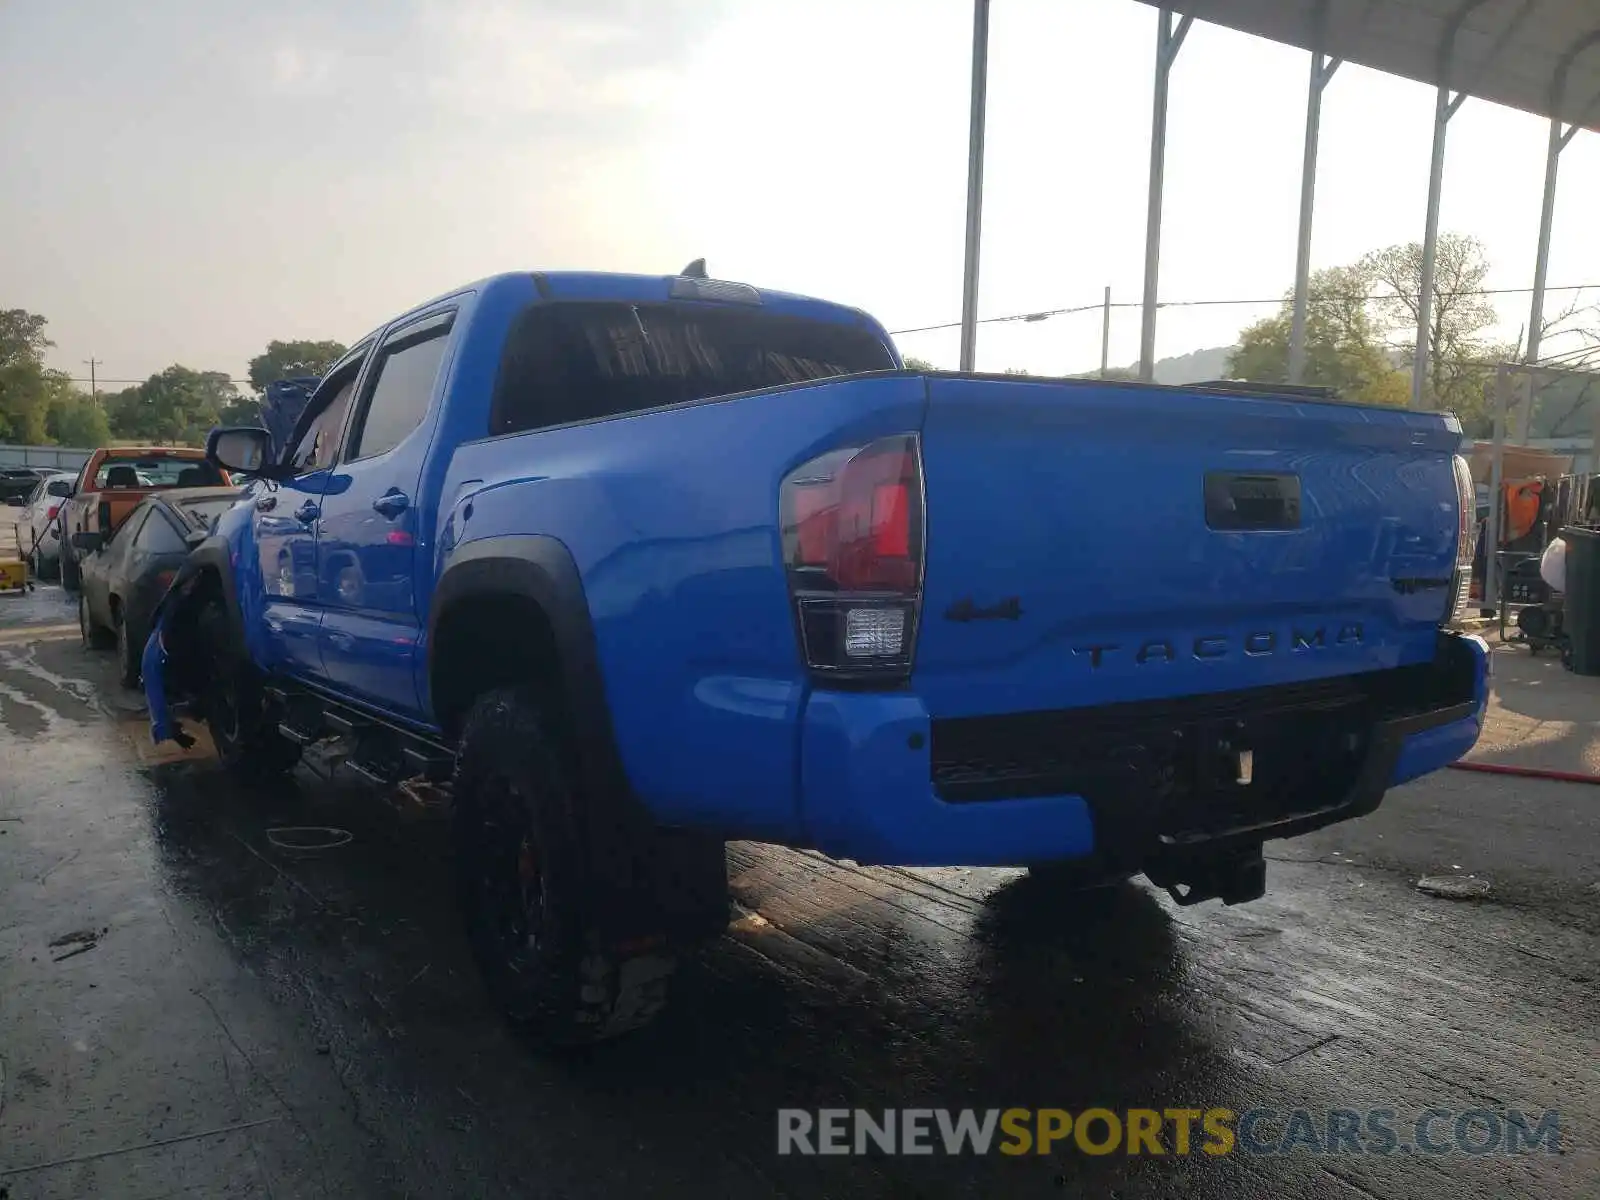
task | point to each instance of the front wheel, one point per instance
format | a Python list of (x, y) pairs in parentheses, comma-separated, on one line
[(247, 739), (523, 874), (71, 577)]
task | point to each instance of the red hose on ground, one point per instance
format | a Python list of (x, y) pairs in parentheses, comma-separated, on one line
[(1489, 768)]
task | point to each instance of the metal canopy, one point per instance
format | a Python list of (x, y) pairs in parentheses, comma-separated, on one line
[(1508, 51), (1541, 56)]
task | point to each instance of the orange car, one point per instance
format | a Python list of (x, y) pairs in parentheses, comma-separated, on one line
[(115, 479)]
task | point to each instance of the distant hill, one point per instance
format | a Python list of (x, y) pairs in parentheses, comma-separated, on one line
[(1195, 367), (1198, 366)]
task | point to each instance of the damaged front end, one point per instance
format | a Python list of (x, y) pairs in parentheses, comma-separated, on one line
[(174, 665)]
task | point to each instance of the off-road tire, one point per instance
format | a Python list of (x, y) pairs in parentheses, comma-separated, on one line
[(246, 737), (94, 637), (525, 883), (128, 655)]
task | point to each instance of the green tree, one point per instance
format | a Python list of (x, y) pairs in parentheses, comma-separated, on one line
[(1344, 345), (177, 405), (246, 410), (1460, 359), (26, 384), (75, 419), (918, 364), (289, 360)]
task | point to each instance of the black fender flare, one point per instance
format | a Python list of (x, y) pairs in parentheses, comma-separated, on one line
[(618, 830), (540, 568)]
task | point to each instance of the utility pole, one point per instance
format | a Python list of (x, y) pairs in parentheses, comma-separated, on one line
[(1105, 334), (94, 388)]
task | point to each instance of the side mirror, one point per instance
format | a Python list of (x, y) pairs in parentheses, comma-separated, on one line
[(16, 502), (242, 448), (87, 540)]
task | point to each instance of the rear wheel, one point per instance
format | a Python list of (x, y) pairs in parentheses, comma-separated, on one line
[(128, 653), (94, 637), (246, 738), (523, 874)]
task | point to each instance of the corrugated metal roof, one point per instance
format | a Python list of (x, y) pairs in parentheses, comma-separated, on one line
[(1541, 56)]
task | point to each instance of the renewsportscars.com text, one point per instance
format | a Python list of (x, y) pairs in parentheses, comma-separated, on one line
[(1165, 1131)]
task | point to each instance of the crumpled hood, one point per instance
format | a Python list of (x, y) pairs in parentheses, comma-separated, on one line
[(282, 402)]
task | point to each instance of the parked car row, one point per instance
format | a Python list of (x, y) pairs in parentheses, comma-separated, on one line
[(113, 482), (38, 524), (98, 498), (17, 483)]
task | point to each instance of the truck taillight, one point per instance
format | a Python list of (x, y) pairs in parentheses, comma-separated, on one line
[(50, 513), (1466, 537), (853, 547)]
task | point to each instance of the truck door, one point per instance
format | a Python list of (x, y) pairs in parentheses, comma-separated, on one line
[(285, 523), (370, 546)]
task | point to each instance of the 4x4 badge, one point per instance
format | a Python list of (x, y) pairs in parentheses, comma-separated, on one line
[(1009, 609)]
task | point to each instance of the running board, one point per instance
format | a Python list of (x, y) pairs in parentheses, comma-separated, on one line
[(381, 751)]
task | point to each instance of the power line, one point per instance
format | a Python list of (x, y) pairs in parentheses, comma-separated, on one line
[(1081, 308), (89, 379)]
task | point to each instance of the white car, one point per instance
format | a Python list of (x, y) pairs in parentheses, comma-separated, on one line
[(37, 526)]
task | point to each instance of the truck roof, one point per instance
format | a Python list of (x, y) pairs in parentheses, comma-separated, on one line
[(643, 289)]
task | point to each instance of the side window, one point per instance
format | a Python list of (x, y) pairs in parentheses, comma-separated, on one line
[(59, 488), (400, 388), (317, 444), (159, 537)]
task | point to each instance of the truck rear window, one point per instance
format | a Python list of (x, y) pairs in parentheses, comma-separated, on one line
[(154, 472), (580, 361)]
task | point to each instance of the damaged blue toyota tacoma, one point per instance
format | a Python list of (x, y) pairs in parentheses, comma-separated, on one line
[(636, 565)]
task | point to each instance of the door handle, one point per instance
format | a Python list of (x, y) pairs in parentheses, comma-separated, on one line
[(266, 503), (392, 503), (307, 512)]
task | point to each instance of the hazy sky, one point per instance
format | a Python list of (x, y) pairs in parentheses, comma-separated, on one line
[(186, 179)]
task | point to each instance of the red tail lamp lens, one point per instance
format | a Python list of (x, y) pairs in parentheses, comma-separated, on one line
[(852, 519), (853, 544)]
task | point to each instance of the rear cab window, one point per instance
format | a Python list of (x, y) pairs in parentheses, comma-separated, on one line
[(584, 360), (153, 471)]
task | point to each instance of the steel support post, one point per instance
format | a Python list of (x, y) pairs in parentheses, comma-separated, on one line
[(1445, 107), (1169, 40), (1561, 135), (1541, 258), (1322, 69), (980, 90), (1491, 534)]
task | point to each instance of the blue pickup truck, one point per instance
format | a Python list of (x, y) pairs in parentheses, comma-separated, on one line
[(641, 564)]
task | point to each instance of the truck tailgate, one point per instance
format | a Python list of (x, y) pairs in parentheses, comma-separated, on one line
[(1095, 543)]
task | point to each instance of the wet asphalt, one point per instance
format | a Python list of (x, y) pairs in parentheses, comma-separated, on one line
[(188, 1010)]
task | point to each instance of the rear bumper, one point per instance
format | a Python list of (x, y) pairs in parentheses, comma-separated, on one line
[(868, 790)]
